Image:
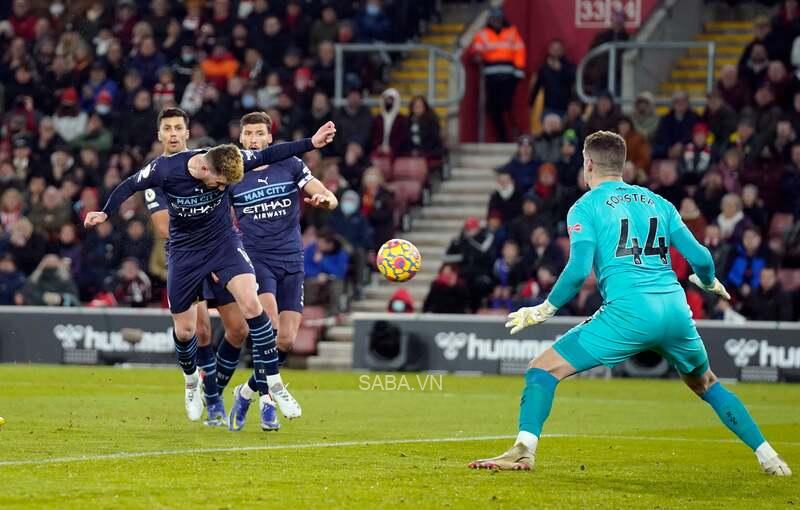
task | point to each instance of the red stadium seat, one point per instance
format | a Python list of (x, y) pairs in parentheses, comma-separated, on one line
[(780, 224), (409, 192), (306, 341), (384, 164), (410, 169), (311, 313)]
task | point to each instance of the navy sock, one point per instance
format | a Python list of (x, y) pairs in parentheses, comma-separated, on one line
[(187, 353), (252, 384), (227, 361), (207, 362), (282, 355), (265, 350)]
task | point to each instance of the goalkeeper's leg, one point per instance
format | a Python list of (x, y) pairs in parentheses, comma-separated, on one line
[(734, 415)]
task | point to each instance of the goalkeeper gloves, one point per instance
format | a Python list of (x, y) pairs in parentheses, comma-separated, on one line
[(716, 287), (530, 316)]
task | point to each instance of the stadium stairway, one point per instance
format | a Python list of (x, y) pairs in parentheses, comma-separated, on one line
[(689, 72), (465, 194)]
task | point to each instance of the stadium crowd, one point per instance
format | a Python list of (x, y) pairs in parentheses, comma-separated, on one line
[(82, 82), (731, 168)]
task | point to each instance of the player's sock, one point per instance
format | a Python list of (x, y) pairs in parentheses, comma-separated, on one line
[(282, 355), (734, 415), (207, 362), (265, 351), (187, 354), (535, 404), (227, 361)]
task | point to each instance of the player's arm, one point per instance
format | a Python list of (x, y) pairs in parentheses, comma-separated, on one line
[(697, 255), (145, 178), (320, 196), (281, 151), (570, 281), (159, 214)]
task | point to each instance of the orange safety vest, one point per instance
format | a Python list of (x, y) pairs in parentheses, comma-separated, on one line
[(502, 53)]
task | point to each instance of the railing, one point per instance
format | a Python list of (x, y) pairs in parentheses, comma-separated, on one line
[(614, 62), (456, 76)]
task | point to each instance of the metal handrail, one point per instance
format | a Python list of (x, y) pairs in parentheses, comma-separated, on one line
[(612, 47), (454, 95)]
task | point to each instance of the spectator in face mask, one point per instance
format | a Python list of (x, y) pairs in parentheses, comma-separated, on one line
[(401, 302), (349, 224)]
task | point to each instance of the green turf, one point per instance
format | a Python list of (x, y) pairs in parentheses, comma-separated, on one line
[(56, 412)]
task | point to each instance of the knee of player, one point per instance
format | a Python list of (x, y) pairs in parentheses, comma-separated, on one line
[(251, 308), (236, 336), (285, 341), (700, 385), (184, 333)]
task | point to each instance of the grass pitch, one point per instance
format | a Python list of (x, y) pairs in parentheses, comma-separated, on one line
[(94, 437)]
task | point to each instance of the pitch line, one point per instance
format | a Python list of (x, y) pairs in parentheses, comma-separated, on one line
[(345, 444)]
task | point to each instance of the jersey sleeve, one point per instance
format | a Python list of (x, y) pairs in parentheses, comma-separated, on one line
[(301, 173), (155, 199), (148, 177), (279, 152), (582, 242), (695, 253)]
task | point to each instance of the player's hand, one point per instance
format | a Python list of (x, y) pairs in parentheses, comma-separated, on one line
[(716, 287), (324, 135), (94, 218), (318, 200), (530, 316)]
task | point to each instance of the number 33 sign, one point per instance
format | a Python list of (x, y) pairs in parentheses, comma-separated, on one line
[(599, 13)]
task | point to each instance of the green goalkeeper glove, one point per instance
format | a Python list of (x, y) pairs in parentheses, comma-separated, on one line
[(530, 316), (716, 287)]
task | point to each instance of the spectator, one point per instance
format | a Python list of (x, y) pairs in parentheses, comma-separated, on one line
[(148, 60), (729, 169), (675, 128), (220, 66), (193, 94), (573, 119), (785, 27), (473, 254), (508, 273), (522, 226), (137, 125), (732, 221), (506, 199), (754, 71), (644, 116), (765, 112), (523, 166), (11, 280), (325, 270), (353, 122), (130, 285), (68, 248), (781, 145), (667, 183), (541, 250), (556, 77), (447, 294), (164, 90), (745, 140), (790, 183), (48, 139), (761, 35), (424, 138), (69, 120), (101, 253), (325, 28), (696, 158), (10, 178), (136, 242), (373, 24), (319, 114), (747, 264), (779, 83), (401, 302), (324, 68), (734, 91), (51, 214), (97, 137), (11, 208), (377, 205), (721, 251), (570, 165), (23, 20), (693, 218), (50, 284), (636, 144), (497, 45), (390, 128), (598, 70), (353, 166), (273, 43), (719, 117), (267, 96), (605, 115), (551, 194), (769, 302), (349, 224), (753, 207), (547, 145)]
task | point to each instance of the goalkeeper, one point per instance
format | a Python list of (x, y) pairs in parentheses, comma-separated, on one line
[(625, 232)]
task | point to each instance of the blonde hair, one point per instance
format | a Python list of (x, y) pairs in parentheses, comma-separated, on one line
[(607, 151), (227, 161)]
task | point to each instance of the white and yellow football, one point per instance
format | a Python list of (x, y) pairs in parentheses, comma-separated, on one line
[(398, 260)]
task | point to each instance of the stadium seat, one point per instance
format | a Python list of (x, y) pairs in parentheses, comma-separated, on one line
[(306, 341), (410, 169), (384, 164), (780, 224), (311, 313), (409, 192)]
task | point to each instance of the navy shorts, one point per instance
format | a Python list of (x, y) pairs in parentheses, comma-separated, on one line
[(188, 270), (282, 279)]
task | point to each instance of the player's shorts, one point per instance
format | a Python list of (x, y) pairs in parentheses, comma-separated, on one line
[(641, 322), (189, 269), (282, 279)]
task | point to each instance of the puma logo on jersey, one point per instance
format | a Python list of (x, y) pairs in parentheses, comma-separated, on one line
[(264, 180)]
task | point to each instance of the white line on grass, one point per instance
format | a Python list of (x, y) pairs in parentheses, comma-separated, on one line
[(344, 444)]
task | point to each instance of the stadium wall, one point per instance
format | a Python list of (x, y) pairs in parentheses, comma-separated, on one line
[(480, 344)]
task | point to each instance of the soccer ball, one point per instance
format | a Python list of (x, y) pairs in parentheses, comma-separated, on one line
[(398, 260)]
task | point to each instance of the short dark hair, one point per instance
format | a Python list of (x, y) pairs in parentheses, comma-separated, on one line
[(171, 112), (256, 118), (607, 151)]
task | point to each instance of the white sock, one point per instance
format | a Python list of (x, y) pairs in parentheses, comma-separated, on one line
[(246, 392), (266, 400), (528, 439), (192, 379), (272, 380), (765, 452)]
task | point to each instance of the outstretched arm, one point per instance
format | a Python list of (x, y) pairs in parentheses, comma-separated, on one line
[(697, 255), (144, 179), (578, 268), (281, 151)]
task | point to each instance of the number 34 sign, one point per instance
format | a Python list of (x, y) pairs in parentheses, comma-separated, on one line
[(599, 13)]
